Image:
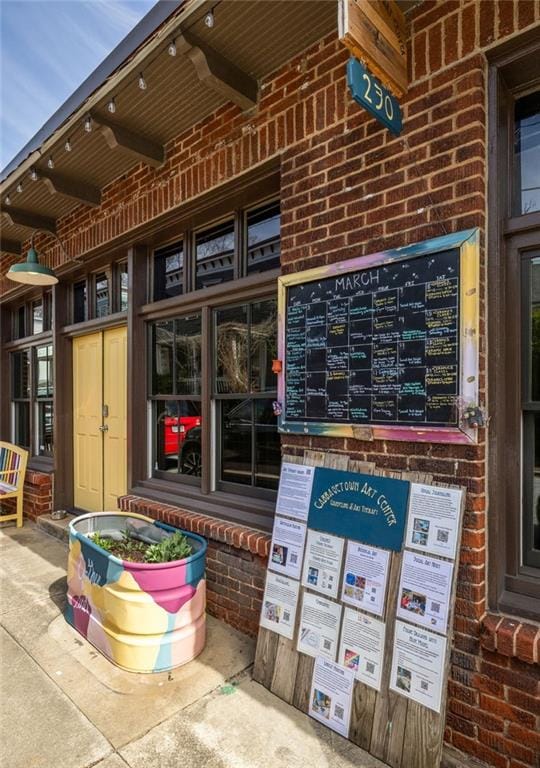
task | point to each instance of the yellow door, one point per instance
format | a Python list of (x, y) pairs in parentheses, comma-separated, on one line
[(99, 419), (114, 418)]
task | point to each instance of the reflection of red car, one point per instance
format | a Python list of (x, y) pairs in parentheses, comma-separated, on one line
[(176, 428)]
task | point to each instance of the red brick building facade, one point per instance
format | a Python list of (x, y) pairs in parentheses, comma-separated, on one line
[(348, 187)]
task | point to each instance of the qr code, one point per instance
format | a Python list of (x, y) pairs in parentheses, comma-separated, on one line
[(327, 644), (442, 536), (338, 712), (424, 685), (435, 607), (286, 615), (294, 558), (370, 667)]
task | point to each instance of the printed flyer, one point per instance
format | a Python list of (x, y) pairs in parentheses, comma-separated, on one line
[(362, 647), (330, 699), (424, 591), (322, 563), (279, 604), (319, 626), (433, 520), (287, 547), (418, 665), (365, 577), (295, 484)]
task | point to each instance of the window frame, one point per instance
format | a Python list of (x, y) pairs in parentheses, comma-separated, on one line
[(36, 459), (255, 508), (112, 269), (514, 70)]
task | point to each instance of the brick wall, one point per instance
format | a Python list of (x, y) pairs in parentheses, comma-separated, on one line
[(348, 187), (235, 562), (38, 495)]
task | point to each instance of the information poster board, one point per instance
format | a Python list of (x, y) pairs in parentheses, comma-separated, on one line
[(388, 341), (361, 639)]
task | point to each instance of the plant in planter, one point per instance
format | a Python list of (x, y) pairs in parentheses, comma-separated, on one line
[(136, 590), (174, 547)]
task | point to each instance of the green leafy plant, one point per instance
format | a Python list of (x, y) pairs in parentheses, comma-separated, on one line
[(104, 542), (175, 547)]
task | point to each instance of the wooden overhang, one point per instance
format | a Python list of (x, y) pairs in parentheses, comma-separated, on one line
[(212, 66)]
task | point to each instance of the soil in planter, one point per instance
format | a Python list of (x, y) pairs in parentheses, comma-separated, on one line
[(174, 547)]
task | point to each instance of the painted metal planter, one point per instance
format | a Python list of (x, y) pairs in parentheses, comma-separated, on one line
[(144, 617)]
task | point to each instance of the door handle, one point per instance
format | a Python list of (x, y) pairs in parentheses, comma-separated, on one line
[(104, 428)]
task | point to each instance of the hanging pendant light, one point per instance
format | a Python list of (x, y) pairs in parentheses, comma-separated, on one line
[(30, 271)]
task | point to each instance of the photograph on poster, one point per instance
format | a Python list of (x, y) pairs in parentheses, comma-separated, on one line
[(331, 695), (322, 563), (433, 521), (279, 604), (361, 648), (418, 665), (287, 547), (365, 576), (424, 591), (319, 627), (294, 494)]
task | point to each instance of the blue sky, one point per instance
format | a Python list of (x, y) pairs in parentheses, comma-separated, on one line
[(48, 48)]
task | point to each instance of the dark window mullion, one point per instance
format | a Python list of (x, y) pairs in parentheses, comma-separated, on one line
[(207, 387)]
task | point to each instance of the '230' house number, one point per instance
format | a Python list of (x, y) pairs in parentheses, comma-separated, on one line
[(367, 91)]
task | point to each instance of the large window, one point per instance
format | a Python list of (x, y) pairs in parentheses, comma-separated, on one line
[(531, 410), (211, 386), (245, 343), (175, 389), (514, 330), (32, 399)]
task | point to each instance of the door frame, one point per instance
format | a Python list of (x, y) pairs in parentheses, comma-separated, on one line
[(63, 488)]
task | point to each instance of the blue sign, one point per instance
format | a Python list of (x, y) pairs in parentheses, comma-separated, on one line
[(361, 507), (367, 91)]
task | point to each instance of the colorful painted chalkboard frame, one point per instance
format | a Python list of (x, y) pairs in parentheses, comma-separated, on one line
[(468, 243)]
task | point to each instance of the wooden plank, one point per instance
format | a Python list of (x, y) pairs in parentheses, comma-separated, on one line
[(302, 684), (364, 697), (390, 708), (425, 726), (366, 30), (362, 715), (285, 666), (263, 668)]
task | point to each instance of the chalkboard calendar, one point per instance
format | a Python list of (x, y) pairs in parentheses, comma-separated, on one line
[(387, 341)]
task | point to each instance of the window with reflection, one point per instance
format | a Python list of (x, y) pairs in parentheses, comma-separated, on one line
[(175, 403), (32, 405), (214, 253), (244, 387), (43, 375), (122, 272), (263, 238), (37, 316), (527, 153), (102, 298), (169, 271), (531, 413)]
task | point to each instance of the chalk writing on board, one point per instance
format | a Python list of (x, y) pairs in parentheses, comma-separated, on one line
[(376, 346)]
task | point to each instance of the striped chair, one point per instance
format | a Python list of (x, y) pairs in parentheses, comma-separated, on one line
[(12, 471)]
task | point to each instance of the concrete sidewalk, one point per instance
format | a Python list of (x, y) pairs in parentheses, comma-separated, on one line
[(62, 705)]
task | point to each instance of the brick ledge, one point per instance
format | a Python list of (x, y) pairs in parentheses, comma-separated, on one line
[(510, 637), (238, 536)]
